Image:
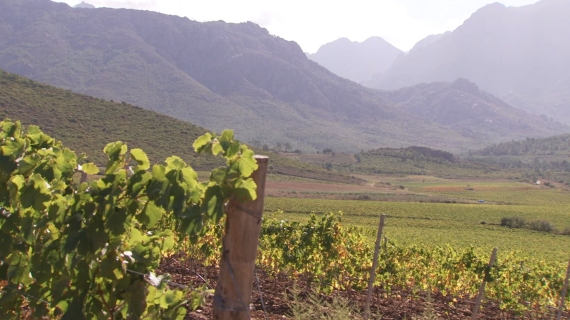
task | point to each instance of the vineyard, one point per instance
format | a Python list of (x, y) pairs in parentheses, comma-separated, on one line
[(92, 249)]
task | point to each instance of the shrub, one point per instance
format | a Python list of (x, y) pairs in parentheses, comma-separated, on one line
[(541, 225), (514, 222)]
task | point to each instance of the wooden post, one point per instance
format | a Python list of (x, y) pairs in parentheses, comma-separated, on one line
[(482, 287), (563, 294), (374, 265), (237, 265)]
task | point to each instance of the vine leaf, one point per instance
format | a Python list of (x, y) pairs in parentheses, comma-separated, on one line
[(141, 158)]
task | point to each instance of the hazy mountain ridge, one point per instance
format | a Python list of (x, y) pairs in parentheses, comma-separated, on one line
[(517, 53), (214, 74), (462, 106), (86, 124), (356, 61)]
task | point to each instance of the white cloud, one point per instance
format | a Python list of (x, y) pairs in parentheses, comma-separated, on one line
[(313, 23)]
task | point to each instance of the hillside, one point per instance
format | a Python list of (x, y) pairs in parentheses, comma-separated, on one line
[(519, 54), (462, 106), (419, 161), (546, 157), (356, 61), (86, 124), (215, 74)]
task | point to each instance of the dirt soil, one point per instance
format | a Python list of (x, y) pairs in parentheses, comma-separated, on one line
[(399, 305)]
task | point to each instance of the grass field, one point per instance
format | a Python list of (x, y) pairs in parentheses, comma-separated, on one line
[(457, 224)]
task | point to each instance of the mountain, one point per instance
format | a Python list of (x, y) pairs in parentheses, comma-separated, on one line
[(86, 124), (217, 75), (356, 61), (519, 54), (462, 106), (84, 5)]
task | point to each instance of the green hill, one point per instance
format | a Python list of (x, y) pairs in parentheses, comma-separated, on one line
[(86, 124), (545, 157)]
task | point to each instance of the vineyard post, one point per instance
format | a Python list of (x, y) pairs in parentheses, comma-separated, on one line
[(482, 287), (239, 250), (374, 264), (563, 293)]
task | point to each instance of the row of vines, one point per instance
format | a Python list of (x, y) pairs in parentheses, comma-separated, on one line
[(334, 257), (76, 250)]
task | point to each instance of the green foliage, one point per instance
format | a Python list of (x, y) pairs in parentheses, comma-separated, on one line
[(514, 222), (313, 249), (541, 225), (76, 251), (443, 224), (538, 155)]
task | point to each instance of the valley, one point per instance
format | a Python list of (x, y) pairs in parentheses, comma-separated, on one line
[(117, 189)]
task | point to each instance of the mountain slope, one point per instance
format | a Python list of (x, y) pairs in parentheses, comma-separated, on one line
[(519, 54), (216, 75), (356, 61), (86, 124), (465, 108)]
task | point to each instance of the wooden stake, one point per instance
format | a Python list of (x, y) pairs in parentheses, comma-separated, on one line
[(563, 294), (374, 265), (482, 287), (243, 226)]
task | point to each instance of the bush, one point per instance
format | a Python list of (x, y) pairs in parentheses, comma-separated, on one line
[(541, 225), (514, 222), (566, 231)]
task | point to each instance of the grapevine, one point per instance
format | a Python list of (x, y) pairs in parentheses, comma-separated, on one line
[(76, 250)]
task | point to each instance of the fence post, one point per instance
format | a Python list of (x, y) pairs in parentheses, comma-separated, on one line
[(563, 294), (373, 270), (239, 250), (482, 287)]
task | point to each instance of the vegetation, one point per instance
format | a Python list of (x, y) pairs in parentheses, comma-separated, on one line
[(79, 251), (459, 225), (332, 256), (546, 157)]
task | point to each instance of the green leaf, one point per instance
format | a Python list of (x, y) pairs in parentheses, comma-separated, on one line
[(227, 136), (115, 152), (151, 215), (202, 141), (27, 164), (190, 177), (218, 175), (19, 270), (90, 168), (141, 158), (167, 298), (245, 189), (175, 163), (12, 147), (245, 164)]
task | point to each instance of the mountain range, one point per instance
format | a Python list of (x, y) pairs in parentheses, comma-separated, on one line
[(220, 75), (519, 54), (356, 61), (86, 124)]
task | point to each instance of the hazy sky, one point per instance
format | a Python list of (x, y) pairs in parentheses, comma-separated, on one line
[(314, 23)]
